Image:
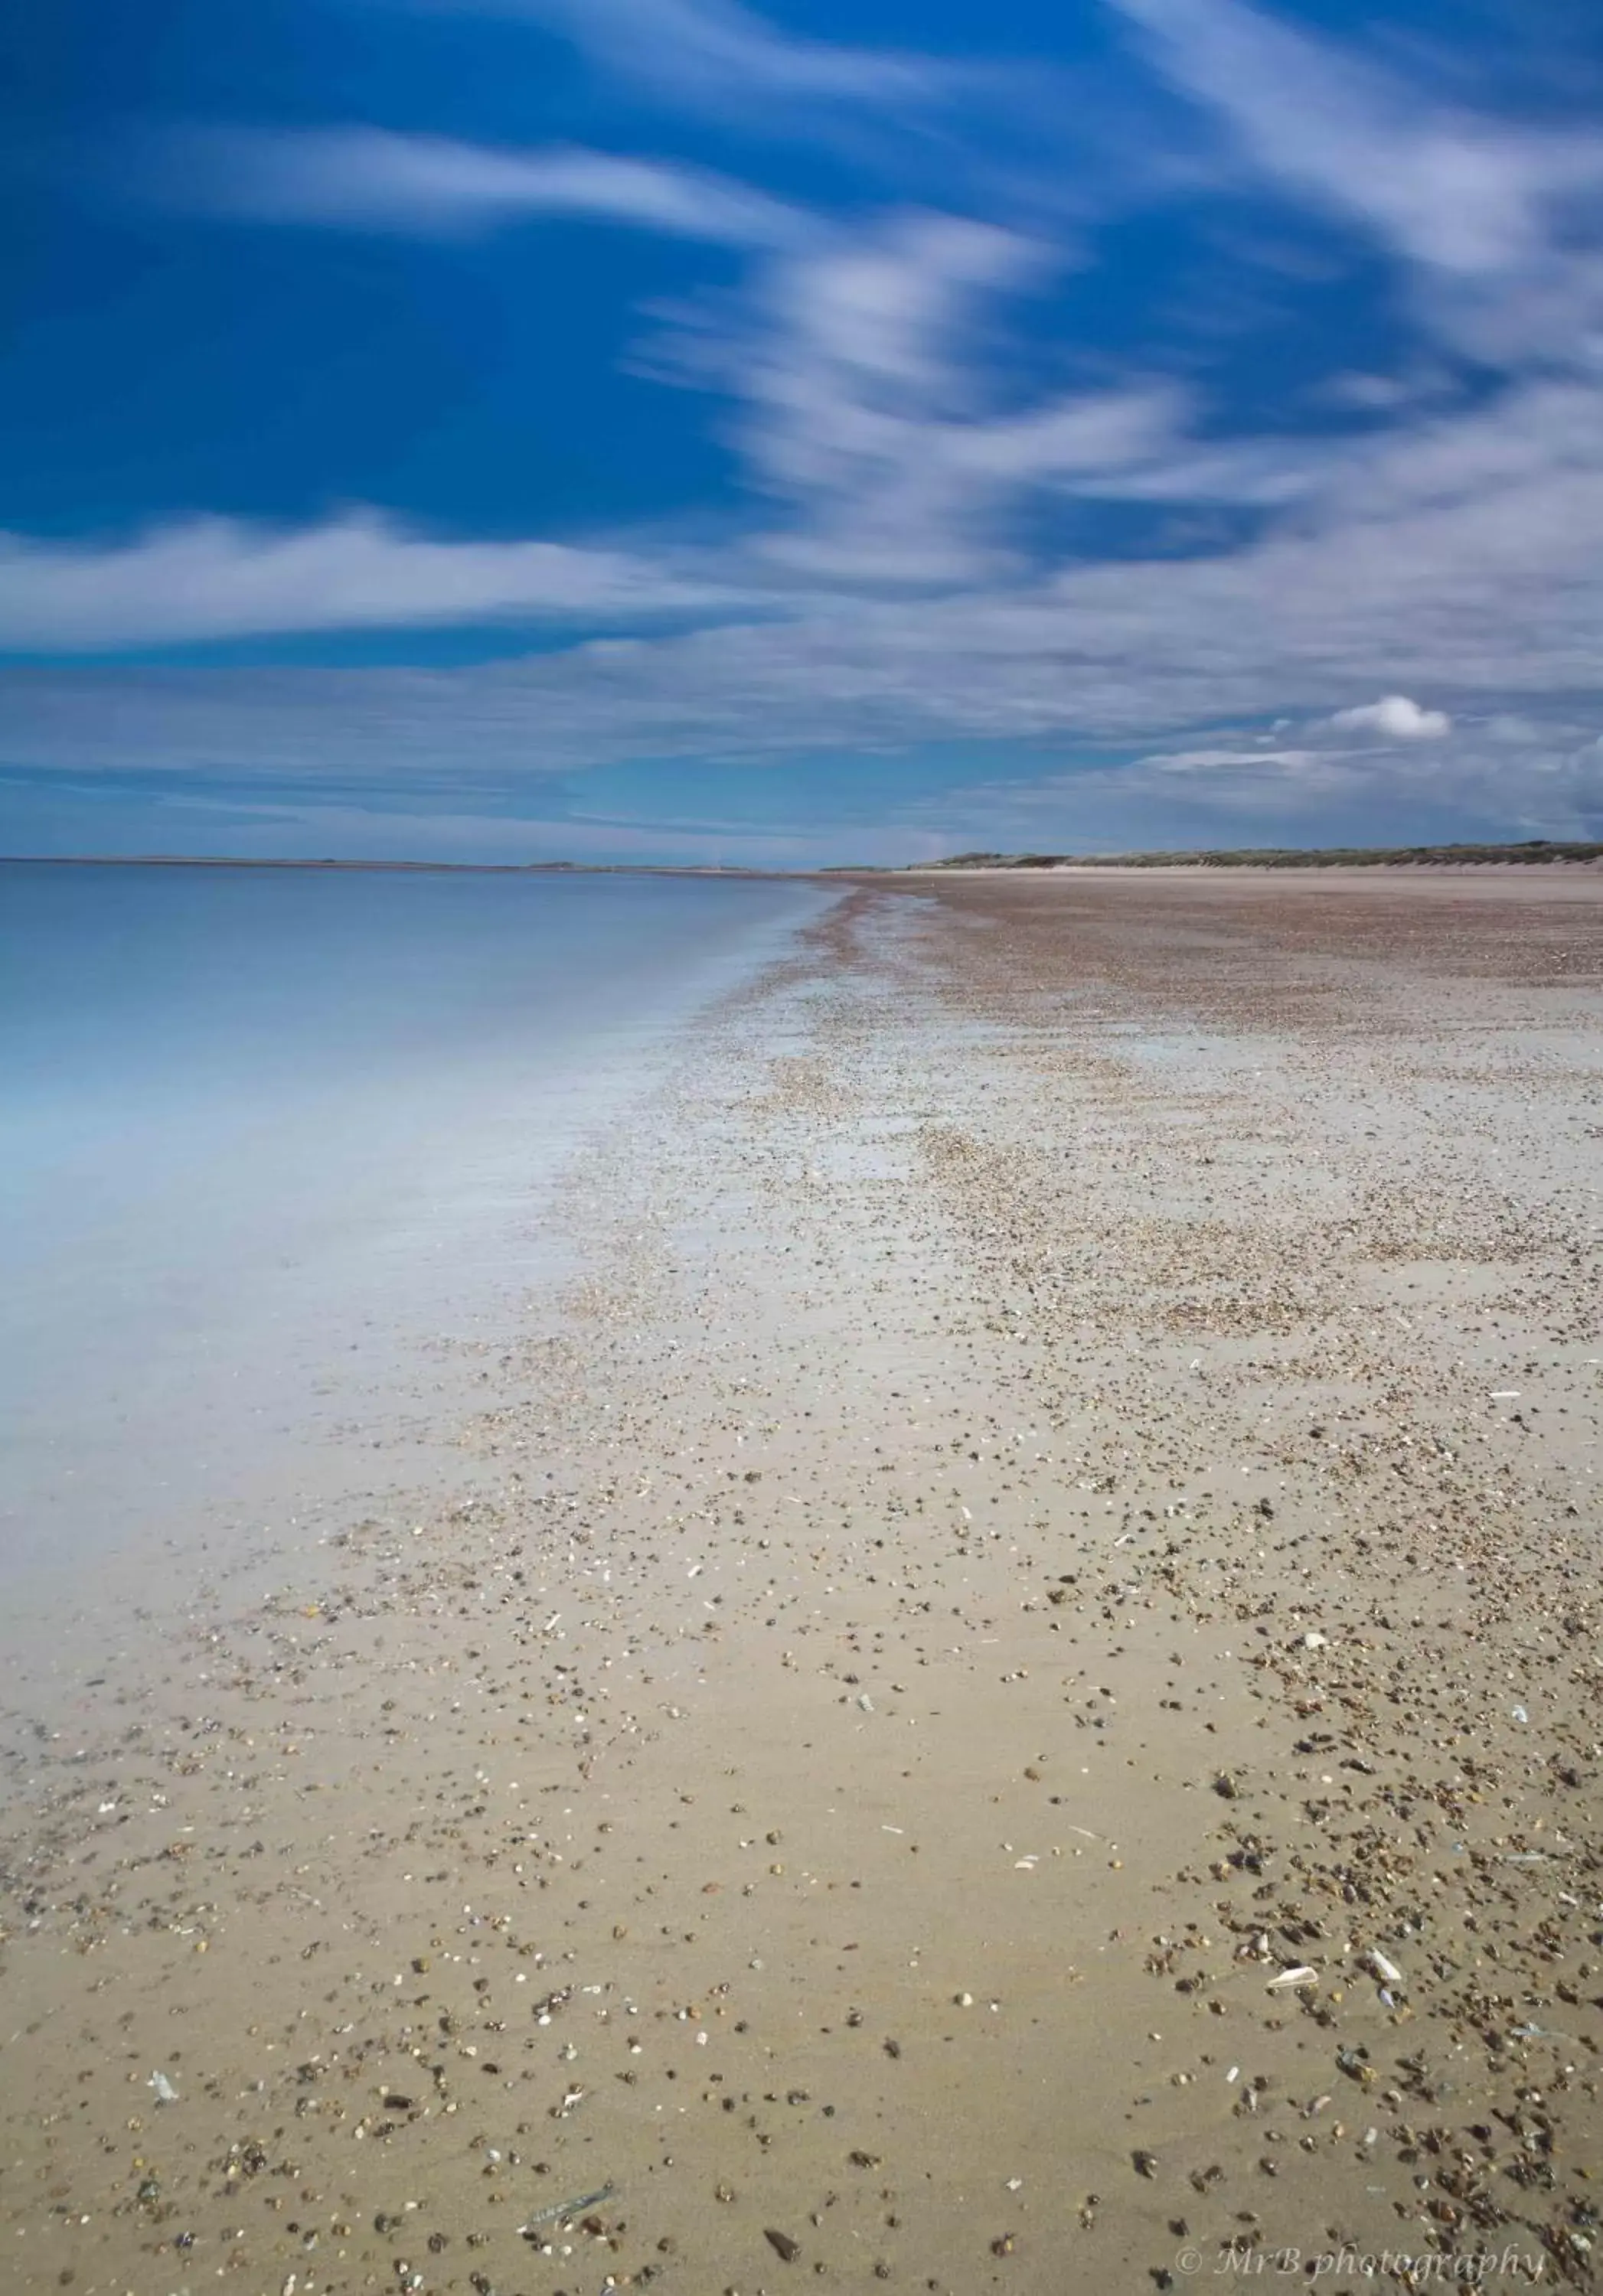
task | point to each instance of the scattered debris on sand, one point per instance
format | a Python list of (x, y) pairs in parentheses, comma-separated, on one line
[(1016, 1703)]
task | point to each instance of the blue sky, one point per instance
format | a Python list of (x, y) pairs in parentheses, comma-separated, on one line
[(677, 430)]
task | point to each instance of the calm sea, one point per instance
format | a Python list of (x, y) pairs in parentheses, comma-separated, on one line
[(273, 1142)]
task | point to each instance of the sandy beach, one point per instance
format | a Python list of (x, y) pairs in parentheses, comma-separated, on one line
[(1006, 1696)]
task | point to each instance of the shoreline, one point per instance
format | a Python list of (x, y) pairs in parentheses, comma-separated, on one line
[(348, 1363), (1018, 1537), (1313, 868), (404, 868), (1545, 873)]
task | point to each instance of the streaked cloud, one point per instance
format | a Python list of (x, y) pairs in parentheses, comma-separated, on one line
[(721, 55), (863, 371), (219, 577), (1472, 594), (369, 179), (1504, 221), (952, 515), (1452, 189)]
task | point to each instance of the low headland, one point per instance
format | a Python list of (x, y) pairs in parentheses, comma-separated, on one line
[(1534, 852)]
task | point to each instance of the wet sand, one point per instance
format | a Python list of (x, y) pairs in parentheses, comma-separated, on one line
[(1009, 1697)]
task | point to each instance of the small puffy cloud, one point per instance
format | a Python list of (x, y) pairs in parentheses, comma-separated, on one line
[(1397, 718)]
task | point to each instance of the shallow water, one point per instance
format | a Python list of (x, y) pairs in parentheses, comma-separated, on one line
[(278, 1145)]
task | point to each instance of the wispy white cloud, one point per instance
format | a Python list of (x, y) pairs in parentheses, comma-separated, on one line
[(368, 179), (1503, 221), (888, 583), (867, 414), (1452, 189), (1263, 762), (218, 578), (847, 375), (1485, 598), (865, 439), (719, 55)]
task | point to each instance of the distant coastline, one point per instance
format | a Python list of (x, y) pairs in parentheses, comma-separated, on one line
[(1528, 852), (1535, 852), (409, 868)]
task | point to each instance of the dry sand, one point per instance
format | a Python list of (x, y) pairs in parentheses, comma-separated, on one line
[(1067, 1493)]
